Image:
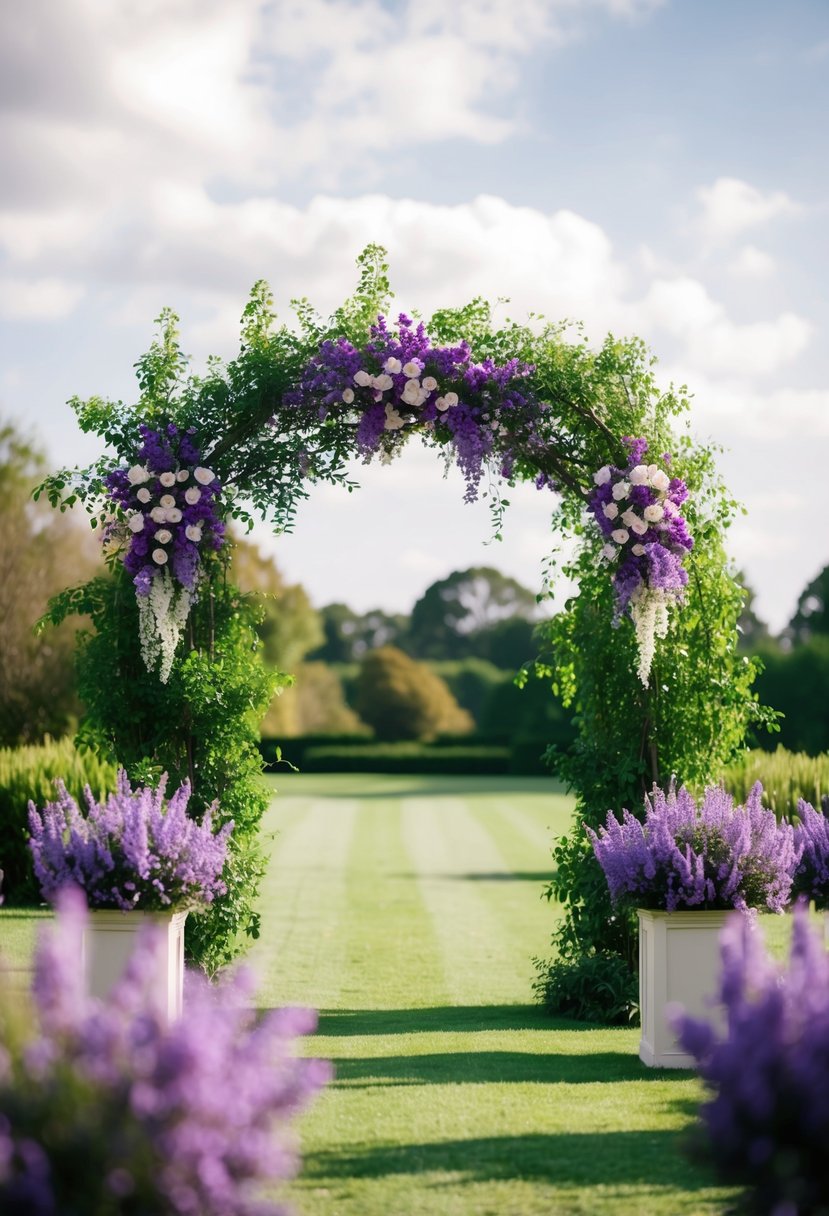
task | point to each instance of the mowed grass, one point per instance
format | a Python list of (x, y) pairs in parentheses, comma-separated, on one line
[(408, 910)]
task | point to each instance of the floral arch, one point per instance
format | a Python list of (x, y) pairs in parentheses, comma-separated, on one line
[(646, 650)]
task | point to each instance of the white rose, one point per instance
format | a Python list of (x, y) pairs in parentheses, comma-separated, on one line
[(621, 490), (654, 513), (135, 523), (183, 475), (609, 552), (639, 526), (167, 479), (411, 392), (164, 536), (628, 517), (143, 494), (159, 557), (653, 469), (411, 370), (393, 419), (610, 510), (392, 366), (167, 500), (193, 532), (430, 383), (660, 480), (362, 378), (158, 515), (451, 399), (204, 476), (603, 476), (440, 404), (638, 550), (174, 515), (192, 496), (639, 476), (137, 474), (381, 383), (621, 536), (348, 395)]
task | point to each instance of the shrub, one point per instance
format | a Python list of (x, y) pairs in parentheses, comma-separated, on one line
[(766, 1121), (591, 988), (715, 855), (402, 699), (29, 774), (812, 837), (108, 1110), (786, 777), (132, 851), (407, 758)]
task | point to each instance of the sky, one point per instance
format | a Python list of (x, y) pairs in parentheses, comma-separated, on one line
[(649, 167)]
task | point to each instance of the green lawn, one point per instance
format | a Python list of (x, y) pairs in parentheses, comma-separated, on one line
[(407, 909)]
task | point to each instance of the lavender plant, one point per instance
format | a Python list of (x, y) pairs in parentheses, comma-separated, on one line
[(766, 1121), (107, 1111), (712, 856), (131, 851), (812, 836)]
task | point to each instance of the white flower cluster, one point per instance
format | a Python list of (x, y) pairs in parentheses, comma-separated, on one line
[(631, 524), (162, 615), (416, 391), (649, 612), (165, 510)]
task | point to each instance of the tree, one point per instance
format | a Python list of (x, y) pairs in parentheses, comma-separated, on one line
[(811, 616), (39, 554), (461, 614), (349, 635), (290, 625), (402, 699), (752, 629)]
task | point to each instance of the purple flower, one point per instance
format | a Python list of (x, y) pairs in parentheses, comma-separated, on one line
[(766, 1120), (712, 856), (812, 836), (106, 1100), (131, 851)]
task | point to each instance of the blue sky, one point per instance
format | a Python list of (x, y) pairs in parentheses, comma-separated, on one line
[(650, 166)]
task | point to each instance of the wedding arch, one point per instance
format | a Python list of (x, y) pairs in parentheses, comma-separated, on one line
[(645, 651)]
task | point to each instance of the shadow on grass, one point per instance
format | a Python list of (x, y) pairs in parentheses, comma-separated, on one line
[(484, 876), (392, 788), (451, 1018), (494, 1067), (590, 1159)]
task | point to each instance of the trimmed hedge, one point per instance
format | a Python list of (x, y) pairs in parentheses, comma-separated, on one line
[(30, 773), (476, 754), (785, 776)]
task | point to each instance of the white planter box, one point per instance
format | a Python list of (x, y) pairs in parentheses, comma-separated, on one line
[(109, 940), (679, 963)]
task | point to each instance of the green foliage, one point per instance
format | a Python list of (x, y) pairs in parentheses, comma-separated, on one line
[(786, 777), (590, 988), (350, 635), (200, 726), (811, 618), (401, 699), (795, 682), (457, 615), (29, 773)]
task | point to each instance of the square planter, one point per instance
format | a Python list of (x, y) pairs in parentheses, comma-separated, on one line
[(679, 963), (109, 940)]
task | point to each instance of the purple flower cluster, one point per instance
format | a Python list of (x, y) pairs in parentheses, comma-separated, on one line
[(638, 512), (400, 381), (171, 504), (107, 1109), (712, 856), (765, 1124), (131, 851), (812, 836)]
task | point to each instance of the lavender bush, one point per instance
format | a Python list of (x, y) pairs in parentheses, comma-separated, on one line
[(714, 856), (766, 1122), (812, 835), (107, 1111), (132, 851)]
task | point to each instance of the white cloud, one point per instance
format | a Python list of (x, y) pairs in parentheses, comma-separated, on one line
[(752, 263), (38, 299), (731, 207)]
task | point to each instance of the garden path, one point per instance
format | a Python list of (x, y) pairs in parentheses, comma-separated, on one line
[(408, 910)]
